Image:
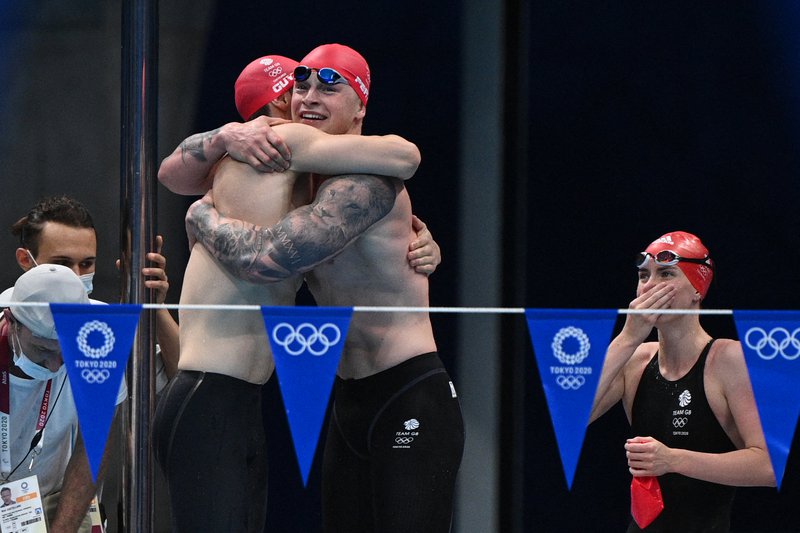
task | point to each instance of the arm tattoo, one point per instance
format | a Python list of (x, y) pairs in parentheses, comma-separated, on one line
[(345, 207), (195, 145), (226, 239)]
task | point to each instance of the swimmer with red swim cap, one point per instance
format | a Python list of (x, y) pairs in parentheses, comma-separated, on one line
[(697, 434), (686, 252), (264, 87), (331, 89)]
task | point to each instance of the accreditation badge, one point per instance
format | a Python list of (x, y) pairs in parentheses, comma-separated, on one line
[(21, 510), (94, 514)]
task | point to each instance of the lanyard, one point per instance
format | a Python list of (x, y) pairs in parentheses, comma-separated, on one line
[(5, 405)]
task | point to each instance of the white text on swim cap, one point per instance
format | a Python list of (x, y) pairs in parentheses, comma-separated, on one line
[(362, 86)]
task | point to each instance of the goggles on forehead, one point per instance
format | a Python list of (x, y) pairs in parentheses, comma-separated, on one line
[(325, 75), (670, 258)]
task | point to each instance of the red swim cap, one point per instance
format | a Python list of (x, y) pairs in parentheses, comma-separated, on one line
[(686, 245), (261, 82), (346, 62)]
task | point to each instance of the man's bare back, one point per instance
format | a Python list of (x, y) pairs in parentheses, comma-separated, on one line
[(234, 343)]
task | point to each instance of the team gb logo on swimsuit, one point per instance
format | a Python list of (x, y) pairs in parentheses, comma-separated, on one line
[(403, 439), (411, 424), (685, 398)]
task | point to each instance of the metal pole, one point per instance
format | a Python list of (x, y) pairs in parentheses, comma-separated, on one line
[(137, 212), (514, 334)]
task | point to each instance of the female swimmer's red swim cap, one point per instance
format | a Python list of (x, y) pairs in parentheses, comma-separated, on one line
[(686, 245)]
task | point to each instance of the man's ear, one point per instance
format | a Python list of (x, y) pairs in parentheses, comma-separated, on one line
[(697, 297), (24, 259), (362, 110), (283, 101)]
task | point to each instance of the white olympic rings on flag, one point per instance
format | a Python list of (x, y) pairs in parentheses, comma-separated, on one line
[(307, 337), (769, 345), (94, 375), (570, 382), (583, 348), (108, 339)]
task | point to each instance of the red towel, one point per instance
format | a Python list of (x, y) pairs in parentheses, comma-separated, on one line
[(646, 500)]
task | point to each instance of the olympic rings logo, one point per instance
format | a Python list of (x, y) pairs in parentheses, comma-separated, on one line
[(276, 71), (108, 339), (404, 440), (306, 338), (558, 345), (94, 375), (777, 341), (570, 382), (680, 422)]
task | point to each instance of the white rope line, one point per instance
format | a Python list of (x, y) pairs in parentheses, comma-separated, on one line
[(387, 309)]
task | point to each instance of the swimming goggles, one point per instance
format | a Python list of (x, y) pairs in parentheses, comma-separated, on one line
[(670, 258), (327, 75)]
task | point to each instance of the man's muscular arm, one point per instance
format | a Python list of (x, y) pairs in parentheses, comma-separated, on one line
[(344, 208), (333, 155), (188, 169)]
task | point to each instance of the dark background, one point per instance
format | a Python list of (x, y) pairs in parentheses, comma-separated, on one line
[(622, 121)]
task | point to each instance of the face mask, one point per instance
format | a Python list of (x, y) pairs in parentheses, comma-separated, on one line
[(86, 279), (37, 372)]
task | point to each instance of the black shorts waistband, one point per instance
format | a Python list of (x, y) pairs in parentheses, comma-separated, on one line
[(214, 379), (387, 381)]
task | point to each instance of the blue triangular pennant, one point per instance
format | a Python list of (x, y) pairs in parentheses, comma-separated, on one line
[(306, 343), (771, 344), (96, 342), (570, 347)]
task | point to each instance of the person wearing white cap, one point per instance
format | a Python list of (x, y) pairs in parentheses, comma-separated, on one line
[(60, 230), (43, 423)]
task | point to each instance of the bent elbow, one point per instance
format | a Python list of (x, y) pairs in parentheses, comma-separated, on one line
[(411, 161), (769, 478), (180, 181), (173, 181), (765, 472), (165, 178)]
